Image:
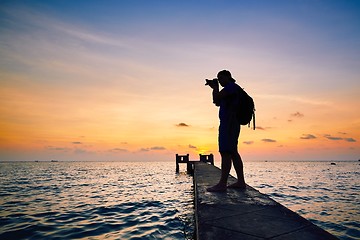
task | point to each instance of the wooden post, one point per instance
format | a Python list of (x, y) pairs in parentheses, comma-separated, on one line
[(211, 158), (177, 163), (182, 159), (207, 158), (189, 167)]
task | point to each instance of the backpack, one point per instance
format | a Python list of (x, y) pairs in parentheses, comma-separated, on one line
[(245, 109)]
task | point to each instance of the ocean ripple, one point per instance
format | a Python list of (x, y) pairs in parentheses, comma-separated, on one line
[(95, 201), (327, 195)]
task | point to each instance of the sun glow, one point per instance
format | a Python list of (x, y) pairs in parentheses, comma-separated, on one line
[(73, 88)]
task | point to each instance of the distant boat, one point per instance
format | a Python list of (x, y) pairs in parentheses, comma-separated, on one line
[(333, 163), (54, 160)]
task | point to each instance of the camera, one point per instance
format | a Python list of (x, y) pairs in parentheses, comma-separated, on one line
[(211, 82)]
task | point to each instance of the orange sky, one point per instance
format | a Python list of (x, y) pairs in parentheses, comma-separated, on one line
[(126, 82)]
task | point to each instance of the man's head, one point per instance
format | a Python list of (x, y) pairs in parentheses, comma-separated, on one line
[(225, 77)]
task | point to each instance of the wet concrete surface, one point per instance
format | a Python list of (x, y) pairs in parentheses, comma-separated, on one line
[(245, 214)]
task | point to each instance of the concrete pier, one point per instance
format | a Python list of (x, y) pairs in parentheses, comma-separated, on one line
[(245, 214)]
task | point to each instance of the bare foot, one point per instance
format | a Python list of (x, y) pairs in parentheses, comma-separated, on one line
[(217, 188), (237, 185)]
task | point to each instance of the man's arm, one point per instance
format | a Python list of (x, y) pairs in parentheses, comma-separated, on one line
[(218, 95)]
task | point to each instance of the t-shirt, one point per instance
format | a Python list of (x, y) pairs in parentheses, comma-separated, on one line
[(228, 104)]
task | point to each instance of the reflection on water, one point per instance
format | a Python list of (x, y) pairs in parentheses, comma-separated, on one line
[(98, 200), (80, 200), (327, 195)]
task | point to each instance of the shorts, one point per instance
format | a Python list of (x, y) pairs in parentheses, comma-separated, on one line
[(229, 131)]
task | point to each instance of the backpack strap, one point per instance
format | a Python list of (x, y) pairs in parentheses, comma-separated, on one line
[(254, 120)]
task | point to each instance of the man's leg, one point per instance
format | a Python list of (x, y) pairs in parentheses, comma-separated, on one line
[(225, 171), (238, 165), (225, 168)]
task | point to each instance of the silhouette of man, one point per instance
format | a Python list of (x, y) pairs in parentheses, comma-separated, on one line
[(229, 130)]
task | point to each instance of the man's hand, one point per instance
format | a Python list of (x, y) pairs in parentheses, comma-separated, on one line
[(214, 84)]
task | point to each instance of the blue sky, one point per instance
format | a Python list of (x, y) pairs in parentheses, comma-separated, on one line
[(124, 74)]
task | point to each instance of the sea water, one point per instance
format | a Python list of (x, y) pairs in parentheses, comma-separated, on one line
[(326, 193), (147, 200), (95, 200)]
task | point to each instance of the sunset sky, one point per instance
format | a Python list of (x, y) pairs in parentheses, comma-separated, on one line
[(124, 80)]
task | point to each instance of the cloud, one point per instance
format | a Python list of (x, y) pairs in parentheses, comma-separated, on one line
[(328, 136), (248, 142), (41, 21), (349, 139), (260, 128), (57, 148), (268, 140), (263, 128), (191, 146), (297, 115), (182, 125), (308, 136), (118, 150), (157, 148), (76, 142)]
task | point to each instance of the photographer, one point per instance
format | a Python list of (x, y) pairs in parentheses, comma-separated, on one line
[(229, 129)]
